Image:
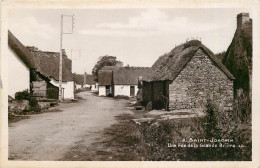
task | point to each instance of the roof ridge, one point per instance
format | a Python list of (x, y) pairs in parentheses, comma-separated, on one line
[(20, 50)]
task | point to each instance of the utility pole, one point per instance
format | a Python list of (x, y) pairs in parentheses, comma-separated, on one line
[(84, 78), (61, 35)]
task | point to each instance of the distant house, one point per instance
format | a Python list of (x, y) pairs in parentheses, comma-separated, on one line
[(186, 78), (90, 82), (79, 80), (105, 81), (125, 80), (48, 64), (120, 81), (20, 63), (24, 75)]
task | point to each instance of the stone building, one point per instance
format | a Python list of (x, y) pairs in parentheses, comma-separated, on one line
[(242, 18), (239, 55), (186, 78)]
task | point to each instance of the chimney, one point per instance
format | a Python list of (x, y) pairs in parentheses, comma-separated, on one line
[(241, 19), (64, 52)]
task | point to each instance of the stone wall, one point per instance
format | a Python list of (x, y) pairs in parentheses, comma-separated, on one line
[(39, 88), (16, 106), (200, 80)]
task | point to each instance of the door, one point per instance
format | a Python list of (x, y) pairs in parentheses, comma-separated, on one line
[(132, 91), (107, 90)]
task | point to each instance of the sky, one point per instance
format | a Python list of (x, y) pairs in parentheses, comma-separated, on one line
[(136, 36)]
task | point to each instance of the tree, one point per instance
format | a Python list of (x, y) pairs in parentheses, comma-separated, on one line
[(105, 61), (220, 55)]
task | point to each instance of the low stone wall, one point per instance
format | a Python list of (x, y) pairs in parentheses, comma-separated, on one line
[(17, 106)]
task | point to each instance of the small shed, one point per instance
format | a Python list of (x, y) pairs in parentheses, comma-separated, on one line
[(186, 78)]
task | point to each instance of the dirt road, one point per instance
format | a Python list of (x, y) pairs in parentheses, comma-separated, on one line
[(49, 136)]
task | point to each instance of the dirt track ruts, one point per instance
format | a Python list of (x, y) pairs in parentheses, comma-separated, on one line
[(49, 136)]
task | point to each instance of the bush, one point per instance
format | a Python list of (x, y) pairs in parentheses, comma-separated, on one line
[(33, 103), (34, 106), (217, 124), (23, 95), (243, 108), (122, 97)]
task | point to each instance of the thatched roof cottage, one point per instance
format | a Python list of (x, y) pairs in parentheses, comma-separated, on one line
[(120, 81), (125, 80), (48, 64), (79, 80), (23, 73), (105, 76), (91, 82), (186, 77)]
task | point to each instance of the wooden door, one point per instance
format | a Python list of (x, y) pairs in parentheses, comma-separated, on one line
[(132, 91)]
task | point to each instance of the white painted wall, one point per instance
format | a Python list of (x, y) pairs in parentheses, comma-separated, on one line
[(68, 88), (18, 74), (78, 86), (102, 90), (124, 90), (94, 87), (86, 86)]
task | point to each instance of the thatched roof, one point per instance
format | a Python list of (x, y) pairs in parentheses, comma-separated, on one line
[(105, 77), (109, 68), (78, 78), (90, 79), (129, 75), (48, 64), (20, 50), (168, 66)]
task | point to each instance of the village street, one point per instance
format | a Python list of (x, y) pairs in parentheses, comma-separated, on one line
[(48, 136)]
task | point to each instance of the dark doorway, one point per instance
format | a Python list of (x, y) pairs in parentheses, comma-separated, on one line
[(107, 90), (132, 91)]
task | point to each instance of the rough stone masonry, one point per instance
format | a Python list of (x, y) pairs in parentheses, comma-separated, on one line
[(200, 80)]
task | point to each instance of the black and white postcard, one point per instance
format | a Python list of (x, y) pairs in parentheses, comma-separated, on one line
[(130, 84)]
